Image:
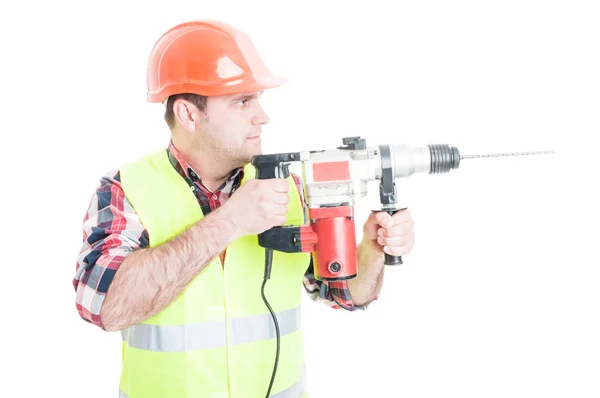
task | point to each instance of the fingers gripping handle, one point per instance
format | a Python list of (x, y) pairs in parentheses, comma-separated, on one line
[(389, 259)]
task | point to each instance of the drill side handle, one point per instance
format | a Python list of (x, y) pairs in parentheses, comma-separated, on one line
[(387, 194)]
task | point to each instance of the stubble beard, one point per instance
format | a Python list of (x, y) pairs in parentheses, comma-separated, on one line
[(227, 155)]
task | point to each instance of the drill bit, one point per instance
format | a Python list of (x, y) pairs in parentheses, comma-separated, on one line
[(493, 155)]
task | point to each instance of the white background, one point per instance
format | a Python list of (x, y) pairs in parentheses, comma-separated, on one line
[(500, 296)]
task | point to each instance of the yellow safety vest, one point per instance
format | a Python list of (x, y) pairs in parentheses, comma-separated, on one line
[(217, 339)]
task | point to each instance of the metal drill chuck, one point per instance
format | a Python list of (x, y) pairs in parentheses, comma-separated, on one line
[(443, 158)]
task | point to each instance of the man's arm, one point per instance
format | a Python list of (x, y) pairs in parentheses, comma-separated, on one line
[(366, 286), (111, 231), (149, 279)]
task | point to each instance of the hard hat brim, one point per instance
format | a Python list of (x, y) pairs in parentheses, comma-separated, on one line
[(237, 86)]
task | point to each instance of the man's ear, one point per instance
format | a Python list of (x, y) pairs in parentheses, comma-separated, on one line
[(184, 113)]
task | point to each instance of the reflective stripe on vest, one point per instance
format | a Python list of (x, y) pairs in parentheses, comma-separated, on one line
[(294, 391), (210, 334)]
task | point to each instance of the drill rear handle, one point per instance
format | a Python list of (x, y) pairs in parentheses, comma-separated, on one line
[(274, 165), (289, 238)]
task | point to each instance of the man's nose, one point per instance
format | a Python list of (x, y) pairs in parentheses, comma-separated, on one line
[(261, 117)]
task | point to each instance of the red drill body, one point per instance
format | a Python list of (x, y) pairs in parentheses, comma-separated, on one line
[(334, 257)]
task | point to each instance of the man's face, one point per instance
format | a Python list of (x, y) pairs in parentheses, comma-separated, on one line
[(231, 126)]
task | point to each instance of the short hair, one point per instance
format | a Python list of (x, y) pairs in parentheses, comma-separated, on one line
[(198, 100)]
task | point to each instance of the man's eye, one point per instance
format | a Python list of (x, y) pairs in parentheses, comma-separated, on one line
[(242, 103)]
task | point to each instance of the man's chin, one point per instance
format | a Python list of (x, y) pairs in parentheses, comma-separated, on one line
[(247, 158)]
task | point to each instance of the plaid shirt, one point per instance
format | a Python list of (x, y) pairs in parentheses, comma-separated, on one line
[(112, 230)]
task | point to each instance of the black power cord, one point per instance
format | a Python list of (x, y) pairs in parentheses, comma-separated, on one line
[(268, 263), (272, 166)]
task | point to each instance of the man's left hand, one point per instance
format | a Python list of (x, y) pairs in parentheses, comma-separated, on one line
[(393, 235)]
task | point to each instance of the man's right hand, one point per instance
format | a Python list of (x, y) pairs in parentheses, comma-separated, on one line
[(258, 205)]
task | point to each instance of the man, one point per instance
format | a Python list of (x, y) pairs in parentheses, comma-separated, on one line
[(170, 255)]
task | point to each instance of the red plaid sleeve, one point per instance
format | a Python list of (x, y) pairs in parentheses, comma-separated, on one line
[(111, 230), (334, 294)]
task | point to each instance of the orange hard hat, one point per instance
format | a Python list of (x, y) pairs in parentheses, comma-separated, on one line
[(206, 57)]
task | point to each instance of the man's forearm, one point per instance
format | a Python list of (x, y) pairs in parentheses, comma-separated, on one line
[(367, 285), (149, 279)]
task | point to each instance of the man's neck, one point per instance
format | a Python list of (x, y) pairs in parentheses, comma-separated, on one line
[(213, 172)]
